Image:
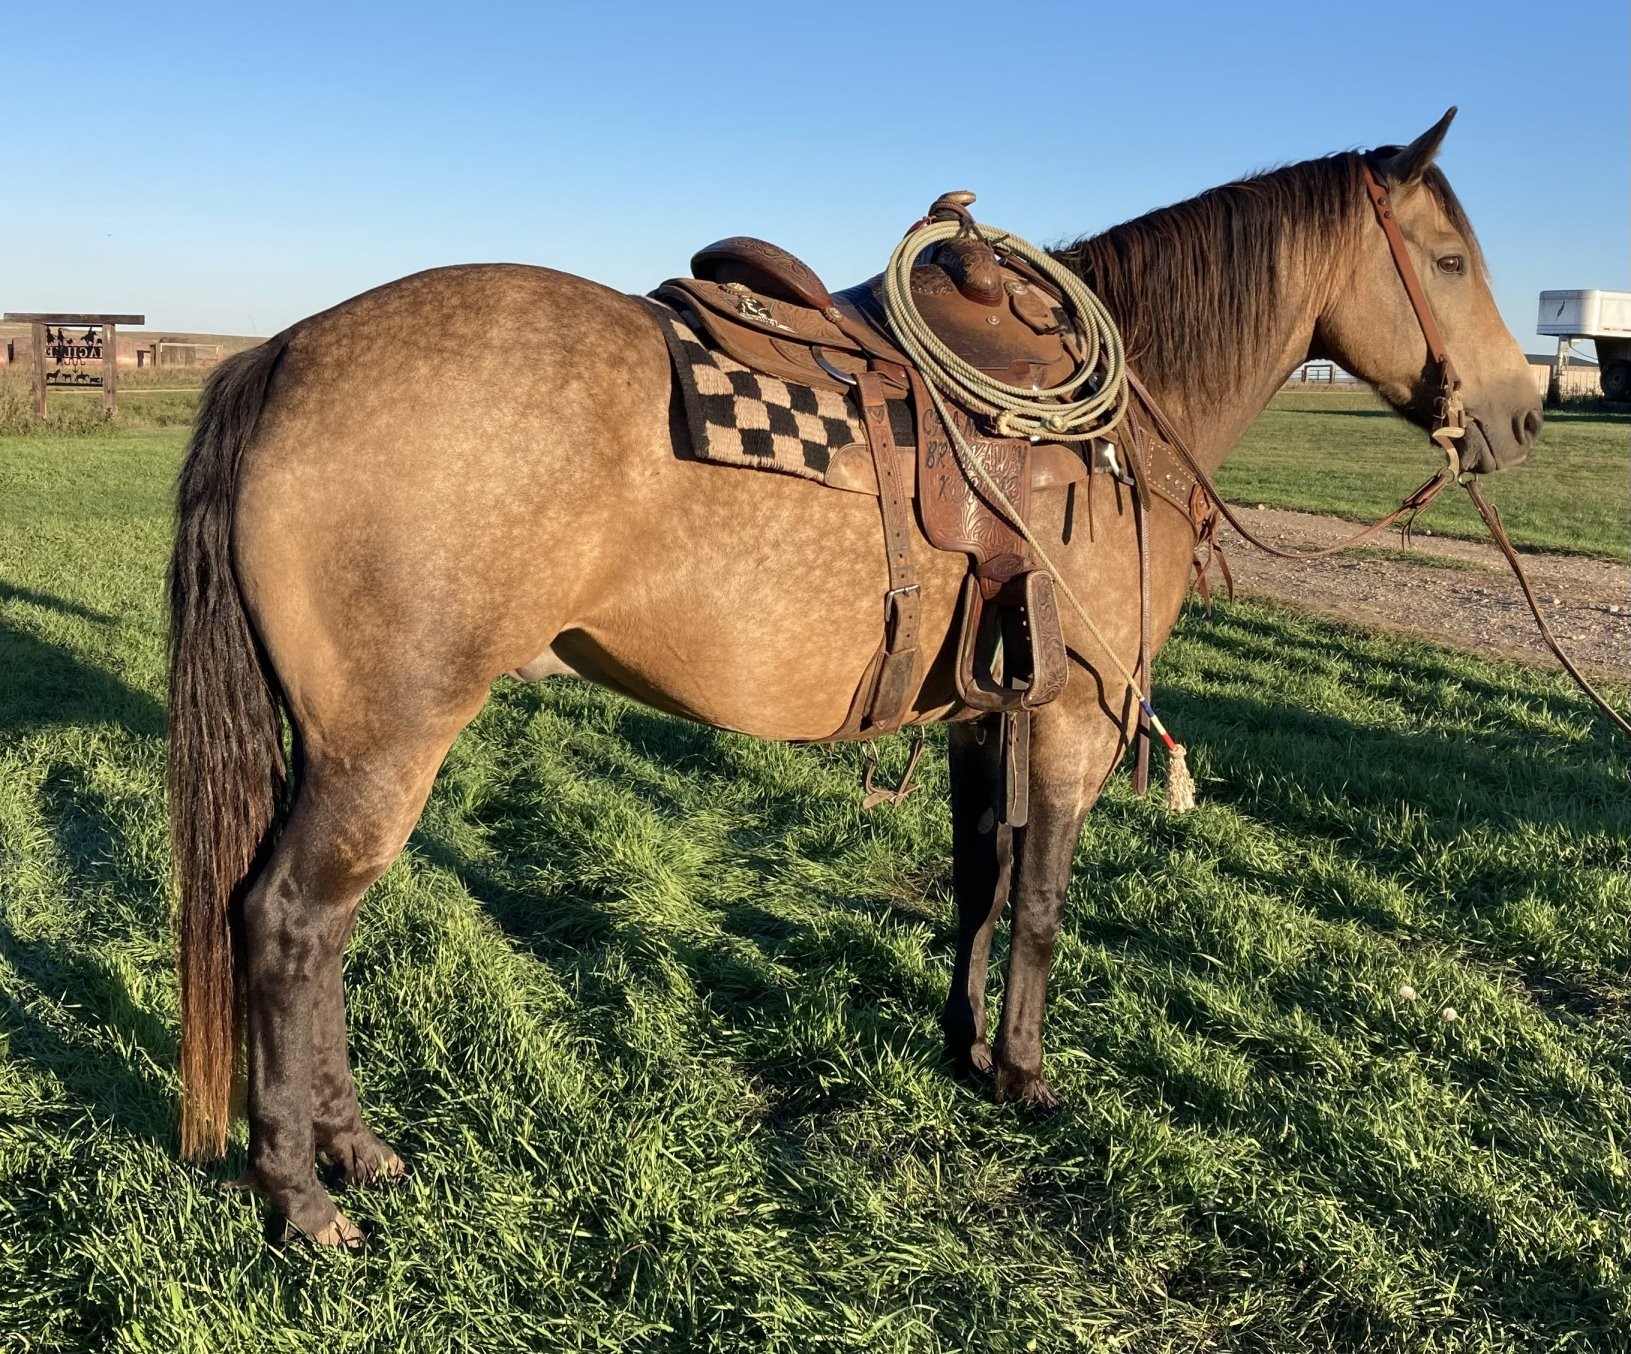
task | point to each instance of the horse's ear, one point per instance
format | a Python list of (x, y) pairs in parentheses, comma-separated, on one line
[(1403, 166)]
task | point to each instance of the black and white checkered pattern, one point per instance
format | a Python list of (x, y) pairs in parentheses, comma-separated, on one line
[(739, 417)]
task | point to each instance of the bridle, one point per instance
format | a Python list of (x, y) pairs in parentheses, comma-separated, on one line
[(1449, 427), (1449, 414)]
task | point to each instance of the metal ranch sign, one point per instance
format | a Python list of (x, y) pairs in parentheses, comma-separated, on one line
[(66, 355)]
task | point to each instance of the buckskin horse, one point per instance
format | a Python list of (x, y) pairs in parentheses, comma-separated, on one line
[(370, 534)]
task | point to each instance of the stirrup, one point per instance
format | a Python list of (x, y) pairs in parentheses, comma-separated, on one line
[(1024, 618)]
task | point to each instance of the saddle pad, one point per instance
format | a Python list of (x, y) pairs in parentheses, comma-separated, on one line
[(737, 416)]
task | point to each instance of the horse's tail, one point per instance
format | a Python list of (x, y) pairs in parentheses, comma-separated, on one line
[(226, 771)]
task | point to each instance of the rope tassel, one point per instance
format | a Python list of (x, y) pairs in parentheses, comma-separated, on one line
[(1180, 784)]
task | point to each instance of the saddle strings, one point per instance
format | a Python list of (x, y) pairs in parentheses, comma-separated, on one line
[(1052, 414)]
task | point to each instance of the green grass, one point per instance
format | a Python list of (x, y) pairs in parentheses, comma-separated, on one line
[(166, 397), (1346, 455), (651, 1011)]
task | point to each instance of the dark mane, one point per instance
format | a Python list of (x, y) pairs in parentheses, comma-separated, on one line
[(1196, 287)]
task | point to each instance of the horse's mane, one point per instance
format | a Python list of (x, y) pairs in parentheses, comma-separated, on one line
[(1196, 287)]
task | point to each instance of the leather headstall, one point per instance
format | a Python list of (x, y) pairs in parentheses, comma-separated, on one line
[(1449, 423)]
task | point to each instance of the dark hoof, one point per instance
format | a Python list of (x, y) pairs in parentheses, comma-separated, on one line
[(973, 1062), (969, 1053), (1030, 1092), (1045, 1103)]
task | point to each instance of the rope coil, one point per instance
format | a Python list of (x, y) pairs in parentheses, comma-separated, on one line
[(1057, 413)]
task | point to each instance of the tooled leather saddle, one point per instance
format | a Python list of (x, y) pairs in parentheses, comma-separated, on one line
[(771, 313)]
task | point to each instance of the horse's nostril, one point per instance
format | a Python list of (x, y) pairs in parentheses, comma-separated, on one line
[(1528, 428)]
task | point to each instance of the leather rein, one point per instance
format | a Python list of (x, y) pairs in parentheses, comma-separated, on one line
[(1449, 427)]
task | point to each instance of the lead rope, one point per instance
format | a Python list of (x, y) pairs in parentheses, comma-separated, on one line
[(1058, 413), (1497, 532), (1445, 438)]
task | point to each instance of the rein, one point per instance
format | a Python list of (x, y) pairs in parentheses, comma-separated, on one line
[(1449, 426)]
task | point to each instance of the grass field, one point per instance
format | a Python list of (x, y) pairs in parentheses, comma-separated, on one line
[(165, 397), (651, 1011), (1345, 454)]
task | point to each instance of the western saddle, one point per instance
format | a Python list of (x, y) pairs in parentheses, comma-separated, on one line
[(771, 313)]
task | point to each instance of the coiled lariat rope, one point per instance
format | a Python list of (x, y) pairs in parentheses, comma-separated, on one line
[(1058, 413), (1061, 413)]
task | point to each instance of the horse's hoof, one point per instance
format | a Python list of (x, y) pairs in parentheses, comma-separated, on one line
[(970, 1058), (968, 1051), (365, 1159), (1029, 1091), (380, 1168), (340, 1233)]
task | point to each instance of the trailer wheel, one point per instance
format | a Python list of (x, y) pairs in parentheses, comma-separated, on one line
[(1616, 379)]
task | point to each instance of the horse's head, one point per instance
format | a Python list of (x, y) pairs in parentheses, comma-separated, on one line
[(1370, 329)]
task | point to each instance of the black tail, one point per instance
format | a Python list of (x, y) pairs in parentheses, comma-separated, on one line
[(226, 772)]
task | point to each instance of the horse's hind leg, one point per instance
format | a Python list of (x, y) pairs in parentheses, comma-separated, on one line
[(353, 812), (339, 1134), (982, 853)]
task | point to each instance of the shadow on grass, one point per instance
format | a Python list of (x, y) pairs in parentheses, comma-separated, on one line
[(762, 963), (94, 1077), (42, 685), (96, 1008), (12, 592), (1507, 769), (1343, 413), (806, 1004)]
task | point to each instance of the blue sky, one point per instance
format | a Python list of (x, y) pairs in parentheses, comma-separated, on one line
[(275, 159)]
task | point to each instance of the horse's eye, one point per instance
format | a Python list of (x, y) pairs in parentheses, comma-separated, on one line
[(1452, 263)]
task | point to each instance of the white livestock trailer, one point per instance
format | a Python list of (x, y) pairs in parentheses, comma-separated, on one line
[(1604, 317)]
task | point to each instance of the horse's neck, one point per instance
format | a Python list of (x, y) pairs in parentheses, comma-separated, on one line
[(1213, 425)]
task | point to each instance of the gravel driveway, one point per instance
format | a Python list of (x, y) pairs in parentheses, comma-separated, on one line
[(1458, 592)]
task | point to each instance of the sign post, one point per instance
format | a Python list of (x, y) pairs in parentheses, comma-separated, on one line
[(62, 354)]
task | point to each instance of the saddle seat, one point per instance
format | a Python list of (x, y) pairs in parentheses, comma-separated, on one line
[(770, 311)]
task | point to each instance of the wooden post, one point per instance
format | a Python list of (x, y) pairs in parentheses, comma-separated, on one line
[(110, 369), (37, 330)]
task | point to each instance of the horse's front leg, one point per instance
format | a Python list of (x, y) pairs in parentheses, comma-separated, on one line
[(1073, 752), (982, 856)]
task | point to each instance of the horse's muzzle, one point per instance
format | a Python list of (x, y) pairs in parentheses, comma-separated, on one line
[(1483, 453)]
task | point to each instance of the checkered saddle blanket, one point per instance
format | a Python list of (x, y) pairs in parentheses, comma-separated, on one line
[(737, 416)]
